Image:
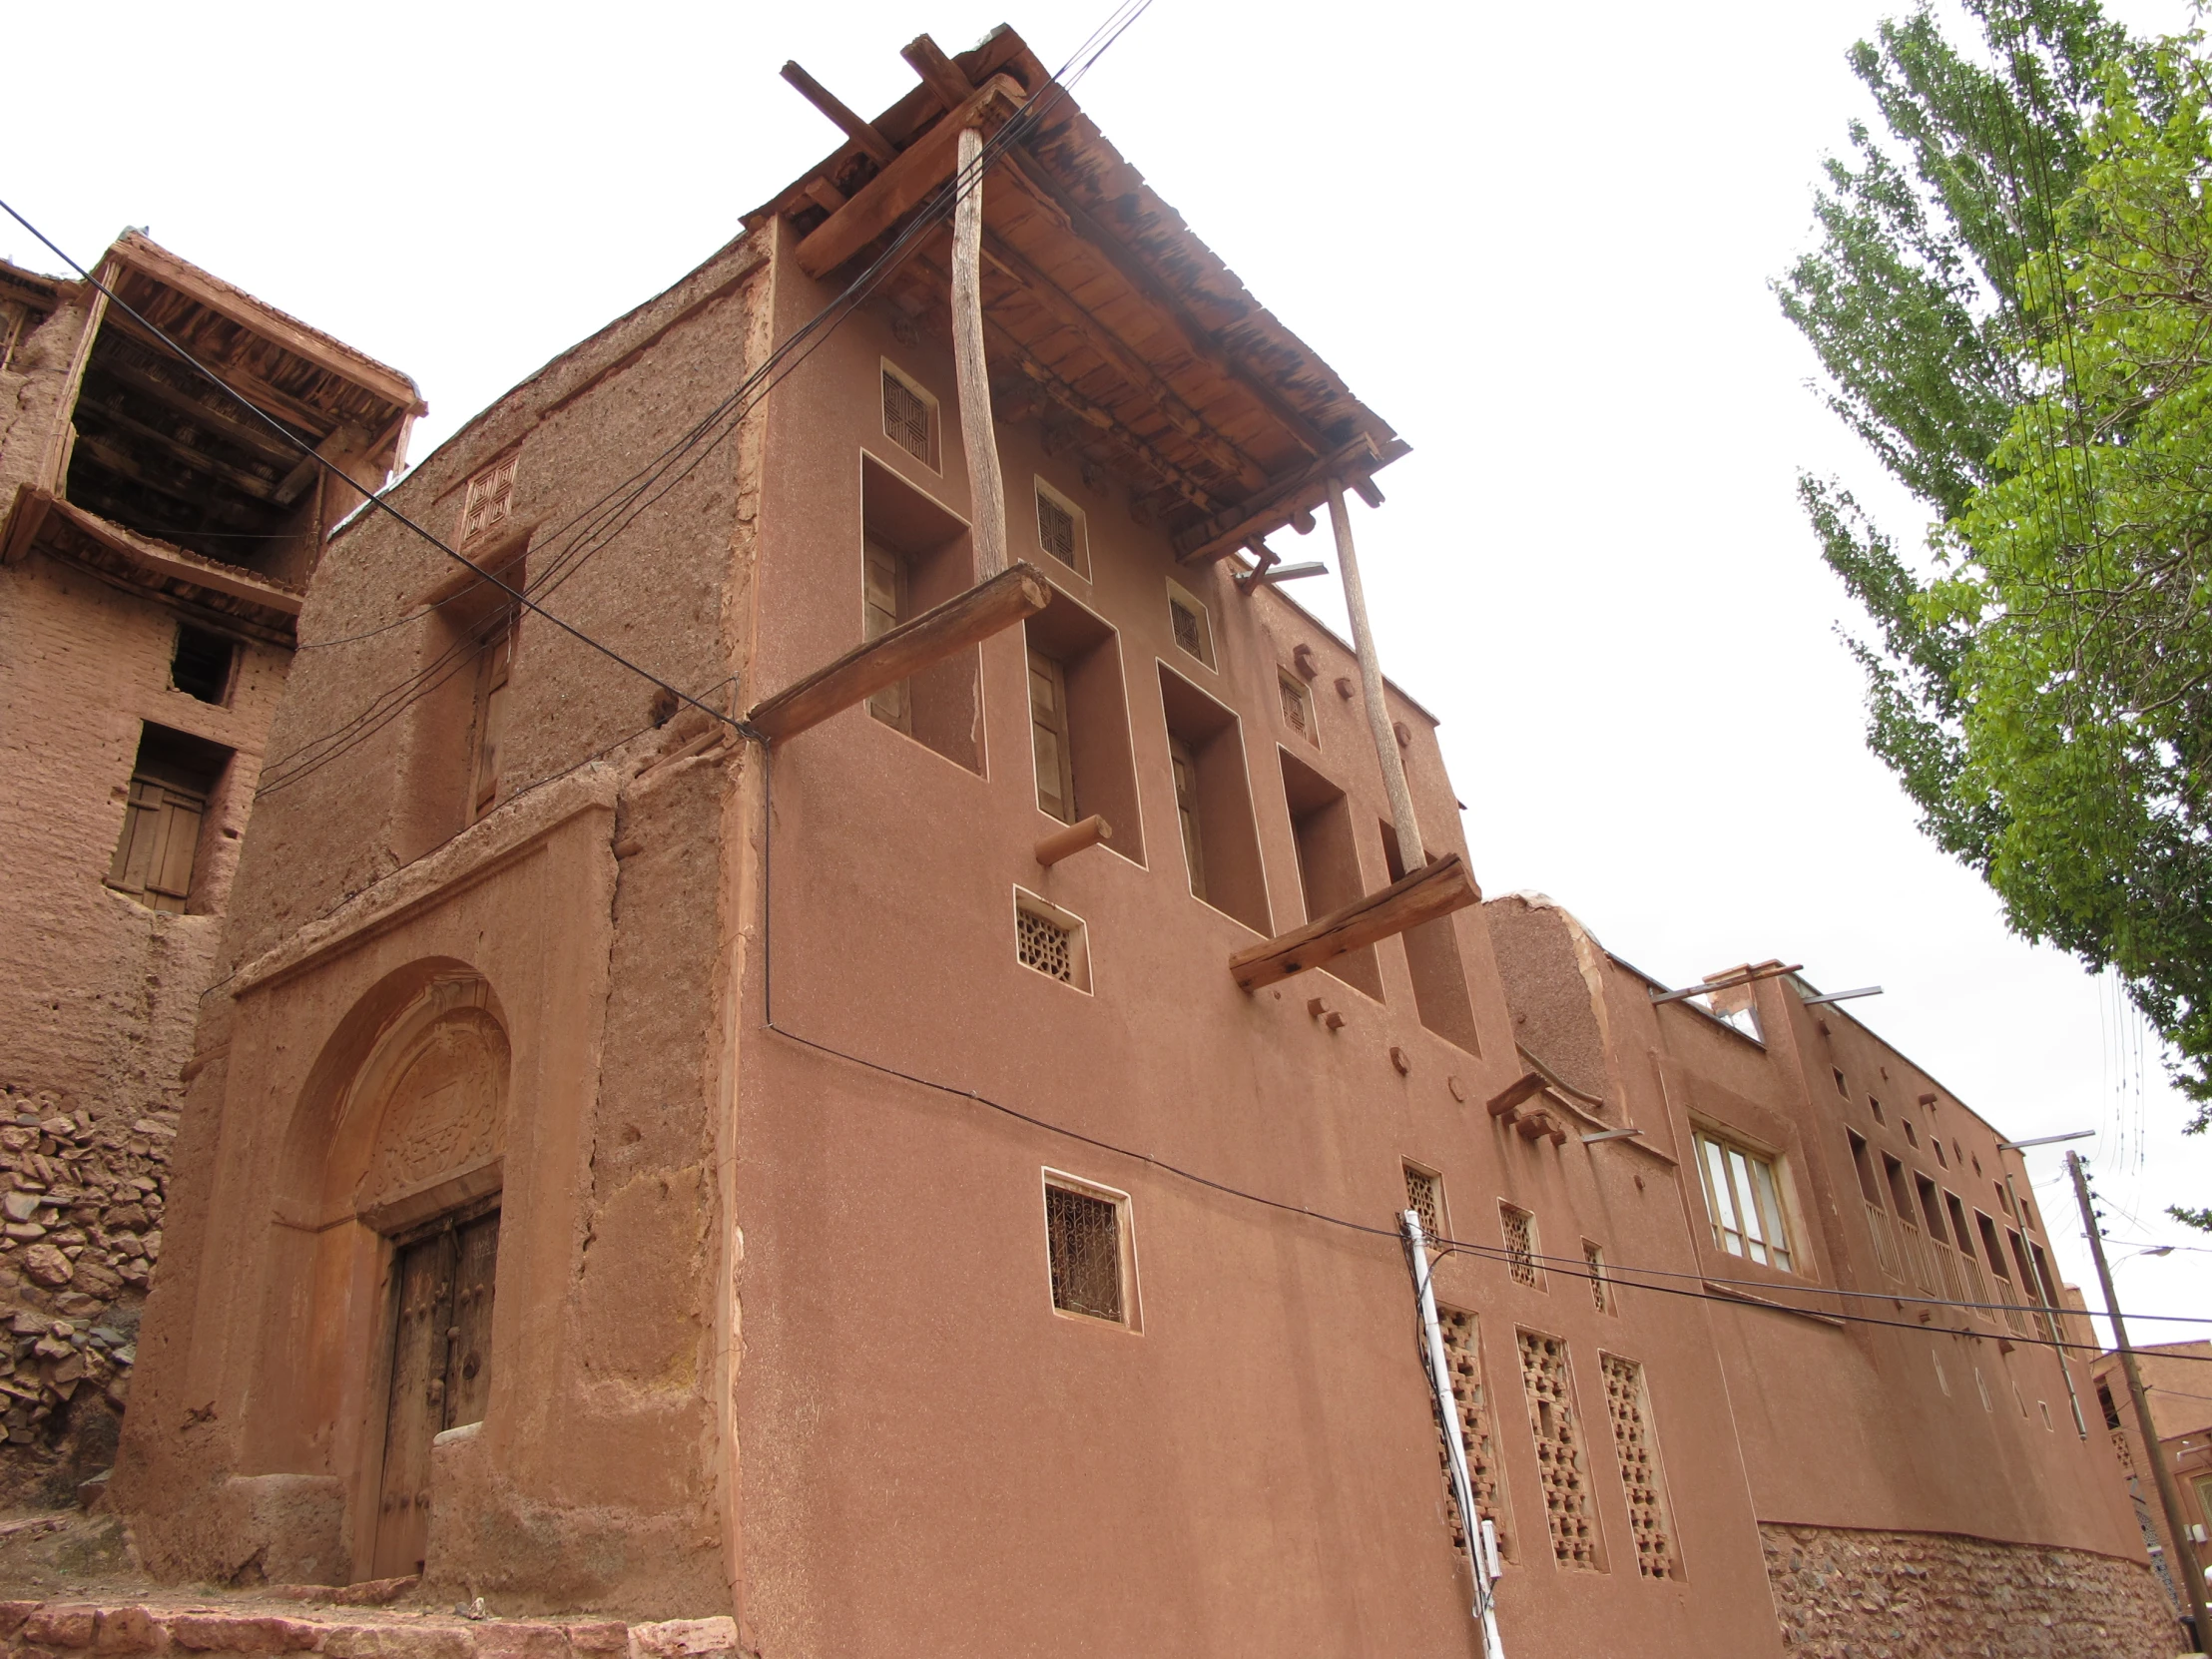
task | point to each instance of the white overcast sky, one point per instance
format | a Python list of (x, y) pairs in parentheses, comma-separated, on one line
[(1538, 241)]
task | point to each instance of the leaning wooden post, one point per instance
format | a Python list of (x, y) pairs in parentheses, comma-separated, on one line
[(1410, 845), (987, 488)]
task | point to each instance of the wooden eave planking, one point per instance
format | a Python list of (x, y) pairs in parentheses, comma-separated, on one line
[(1435, 889), (258, 317), (1104, 287)]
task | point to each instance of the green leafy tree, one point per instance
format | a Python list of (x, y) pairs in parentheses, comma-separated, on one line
[(2010, 299)]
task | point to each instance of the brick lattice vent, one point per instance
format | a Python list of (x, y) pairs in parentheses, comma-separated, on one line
[(1566, 1481), (1843, 1594), (1641, 1483), (1042, 944), (1463, 1359), (1520, 1246)]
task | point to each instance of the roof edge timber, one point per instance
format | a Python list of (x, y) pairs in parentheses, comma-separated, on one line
[(280, 328)]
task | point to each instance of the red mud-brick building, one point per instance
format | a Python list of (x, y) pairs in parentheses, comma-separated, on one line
[(156, 542), (886, 1111)]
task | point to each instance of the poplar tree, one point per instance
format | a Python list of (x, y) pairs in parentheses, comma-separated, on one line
[(2012, 300)]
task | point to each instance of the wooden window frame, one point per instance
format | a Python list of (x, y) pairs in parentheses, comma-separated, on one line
[(489, 727), (1290, 687), (1771, 1218), (935, 458), (1209, 657), (1054, 774), (1079, 560), (1132, 1316)]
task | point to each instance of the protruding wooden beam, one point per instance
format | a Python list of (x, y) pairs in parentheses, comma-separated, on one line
[(1065, 844), (1433, 890), (905, 181), (860, 132), (939, 73), (1015, 594), (1278, 504), (1506, 1102)]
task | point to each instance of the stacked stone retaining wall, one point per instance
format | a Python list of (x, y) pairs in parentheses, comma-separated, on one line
[(1843, 1594)]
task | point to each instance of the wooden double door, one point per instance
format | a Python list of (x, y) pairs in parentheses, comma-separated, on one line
[(441, 1372)]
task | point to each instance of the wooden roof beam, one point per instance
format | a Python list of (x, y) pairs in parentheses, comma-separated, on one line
[(1015, 594), (1069, 313), (240, 430), (1282, 503), (1196, 337), (1433, 890), (250, 387), (939, 73), (860, 132), (905, 182)]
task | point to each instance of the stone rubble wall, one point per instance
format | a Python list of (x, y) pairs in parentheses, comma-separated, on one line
[(52, 1629), (1844, 1594), (82, 1201)]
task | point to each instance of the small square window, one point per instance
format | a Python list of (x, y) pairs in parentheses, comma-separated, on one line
[(1087, 1248), (1297, 706), (1052, 941), (1842, 1087), (201, 665), (1520, 1246), (1875, 1106), (491, 499), (1425, 1196), (1194, 628), (910, 416), (1062, 530)]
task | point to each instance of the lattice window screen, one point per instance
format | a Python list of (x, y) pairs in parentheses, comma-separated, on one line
[(1648, 1520), (1042, 944), (1520, 1246), (907, 417), (1463, 1361), (491, 498), (1602, 1292), (1055, 529), (1293, 703), (1083, 1236), (1424, 1197), (1188, 616), (1566, 1481)]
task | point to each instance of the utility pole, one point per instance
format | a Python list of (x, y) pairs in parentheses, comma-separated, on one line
[(2169, 1498)]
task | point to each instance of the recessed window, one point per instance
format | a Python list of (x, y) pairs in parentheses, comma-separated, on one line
[(1079, 722), (490, 501), (910, 416), (1940, 1159), (1744, 1200), (172, 781), (1875, 1106), (1297, 706), (1192, 624), (201, 665), (1062, 530), (1911, 1137), (1440, 997), (1425, 1196), (1842, 1087), (1519, 1228), (494, 667), (1050, 940), (1087, 1244), (1213, 802), (1327, 862), (914, 555), (1601, 1287)]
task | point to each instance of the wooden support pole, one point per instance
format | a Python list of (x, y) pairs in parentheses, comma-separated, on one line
[(986, 489), (1065, 844), (1013, 595), (1410, 849), (1433, 890)]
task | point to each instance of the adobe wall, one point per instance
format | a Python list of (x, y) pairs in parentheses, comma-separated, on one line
[(934, 1458), (589, 907), (30, 389), (1845, 1594), (97, 992)]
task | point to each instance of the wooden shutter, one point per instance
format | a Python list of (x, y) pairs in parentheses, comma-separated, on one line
[(160, 836), (491, 498), (1048, 732), (887, 608), (491, 717), (907, 417), (1186, 811), (1055, 529)]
